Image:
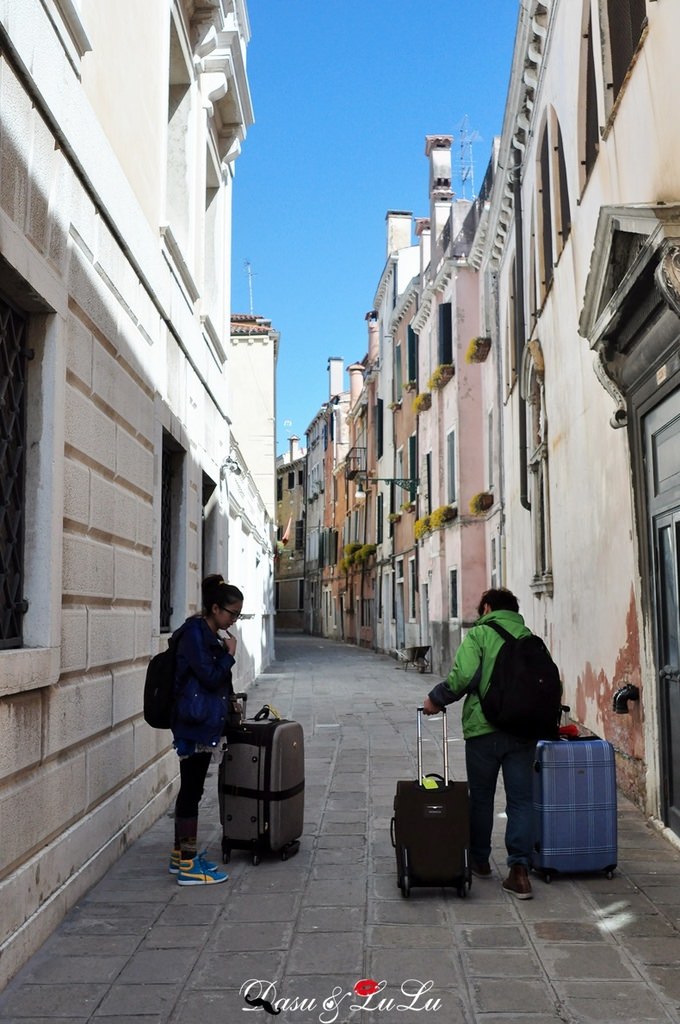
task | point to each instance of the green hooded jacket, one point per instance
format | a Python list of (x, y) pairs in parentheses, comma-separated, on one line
[(480, 646)]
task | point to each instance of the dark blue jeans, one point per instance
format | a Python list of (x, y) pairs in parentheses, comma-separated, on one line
[(485, 756)]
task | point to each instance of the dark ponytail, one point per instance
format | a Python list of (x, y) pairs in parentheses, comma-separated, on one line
[(214, 590)]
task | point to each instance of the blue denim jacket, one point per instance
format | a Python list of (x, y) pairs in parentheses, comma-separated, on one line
[(202, 684)]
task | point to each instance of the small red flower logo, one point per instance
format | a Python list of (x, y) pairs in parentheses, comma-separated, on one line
[(366, 987)]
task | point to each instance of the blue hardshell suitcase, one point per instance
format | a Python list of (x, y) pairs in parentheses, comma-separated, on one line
[(575, 822)]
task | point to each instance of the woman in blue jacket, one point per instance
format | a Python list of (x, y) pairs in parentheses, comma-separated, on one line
[(205, 652)]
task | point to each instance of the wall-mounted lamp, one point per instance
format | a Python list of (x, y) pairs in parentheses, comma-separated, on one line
[(408, 484), (622, 696)]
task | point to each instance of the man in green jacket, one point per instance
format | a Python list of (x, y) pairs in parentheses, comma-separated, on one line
[(488, 750)]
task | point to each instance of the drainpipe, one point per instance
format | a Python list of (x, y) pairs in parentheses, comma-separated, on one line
[(304, 538), (519, 322), (501, 432)]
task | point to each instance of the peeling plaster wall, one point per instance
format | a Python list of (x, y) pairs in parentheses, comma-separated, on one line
[(594, 621)]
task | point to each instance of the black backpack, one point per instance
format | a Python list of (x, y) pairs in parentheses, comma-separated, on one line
[(159, 685), (524, 696)]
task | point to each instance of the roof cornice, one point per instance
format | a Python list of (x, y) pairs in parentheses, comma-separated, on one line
[(405, 300), (531, 45), (384, 279)]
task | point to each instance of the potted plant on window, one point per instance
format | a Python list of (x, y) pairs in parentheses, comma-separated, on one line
[(350, 551), (422, 402), (365, 552), (442, 515), (394, 517), (421, 527), (441, 376), (481, 503), (478, 350), (410, 385)]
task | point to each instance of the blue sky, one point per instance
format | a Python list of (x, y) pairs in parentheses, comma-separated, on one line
[(344, 93)]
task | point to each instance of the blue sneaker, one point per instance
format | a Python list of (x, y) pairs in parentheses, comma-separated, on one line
[(199, 872), (176, 856)]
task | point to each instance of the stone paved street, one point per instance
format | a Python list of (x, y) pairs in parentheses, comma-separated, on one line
[(139, 948)]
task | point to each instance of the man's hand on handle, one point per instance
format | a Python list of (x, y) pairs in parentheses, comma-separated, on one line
[(430, 708)]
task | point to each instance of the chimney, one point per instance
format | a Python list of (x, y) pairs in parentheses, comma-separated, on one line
[(438, 149), (336, 371), (356, 382), (293, 447), (398, 230), (373, 336)]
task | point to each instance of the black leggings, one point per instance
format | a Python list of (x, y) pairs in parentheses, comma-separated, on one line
[(192, 773)]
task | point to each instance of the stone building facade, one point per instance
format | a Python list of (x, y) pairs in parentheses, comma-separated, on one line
[(122, 468), (291, 474), (579, 252)]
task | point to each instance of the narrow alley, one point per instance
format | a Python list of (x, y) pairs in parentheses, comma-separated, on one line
[(301, 934)]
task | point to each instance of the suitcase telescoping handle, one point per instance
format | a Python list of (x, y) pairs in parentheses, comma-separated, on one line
[(445, 745), (243, 698)]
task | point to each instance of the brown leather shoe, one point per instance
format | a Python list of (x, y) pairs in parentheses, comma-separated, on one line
[(481, 868), (517, 883)]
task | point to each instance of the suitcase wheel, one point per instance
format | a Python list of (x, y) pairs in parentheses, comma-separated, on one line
[(290, 849), (226, 852), (256, 859)]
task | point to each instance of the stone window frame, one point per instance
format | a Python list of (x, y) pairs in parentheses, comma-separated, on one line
[(533, 392), (38, 662)]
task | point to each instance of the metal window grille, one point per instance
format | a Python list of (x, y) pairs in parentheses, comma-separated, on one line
[(13, 376)]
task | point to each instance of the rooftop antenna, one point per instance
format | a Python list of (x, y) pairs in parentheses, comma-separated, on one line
[(249, 271), (467, 164)]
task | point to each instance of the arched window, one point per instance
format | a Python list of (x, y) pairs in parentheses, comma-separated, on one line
[(532, 291), (533, 381), (545, 213), (561, 205), (554, 213), (589, 126), (625, 22), (511, 331)]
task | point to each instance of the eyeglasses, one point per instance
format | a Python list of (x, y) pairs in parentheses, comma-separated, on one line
[(234, 615)]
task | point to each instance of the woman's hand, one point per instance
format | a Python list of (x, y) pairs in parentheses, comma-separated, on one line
[(229, 642)]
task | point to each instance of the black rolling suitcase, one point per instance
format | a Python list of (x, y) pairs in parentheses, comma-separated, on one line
[(431, 827), (262, 787)]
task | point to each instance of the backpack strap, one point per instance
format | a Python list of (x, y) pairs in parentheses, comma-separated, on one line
[(473, 685), (499, 629)]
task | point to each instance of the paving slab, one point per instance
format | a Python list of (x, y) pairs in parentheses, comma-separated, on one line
[(307, 933)]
